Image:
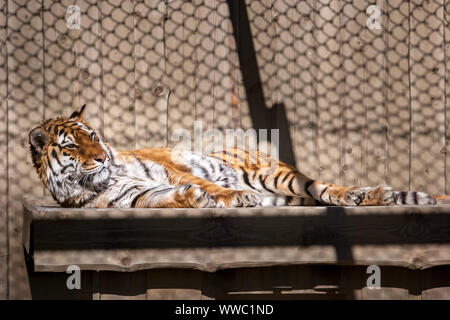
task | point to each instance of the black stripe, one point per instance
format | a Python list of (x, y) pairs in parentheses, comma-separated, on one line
[(54, 155), (415, 198), (288, 199), (66, 167), (205, 173), (245, 176), (234, 157), (50, 165), (166, 172), (213, 169), (276, 180), (290, 185), (142, 164), (120, 196), (323, 191), (163, 190), (307, 185), (139, 196), (285, 178), (404, 197), (263, 183)]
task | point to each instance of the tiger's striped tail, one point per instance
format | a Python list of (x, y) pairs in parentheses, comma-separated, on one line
[(419, 198)]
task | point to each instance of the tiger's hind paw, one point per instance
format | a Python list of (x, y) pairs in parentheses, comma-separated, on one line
[(198, 197), (248, 199), (378, 196)]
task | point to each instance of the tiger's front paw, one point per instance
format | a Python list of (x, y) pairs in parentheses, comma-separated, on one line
[(238, 198), (197, 197)]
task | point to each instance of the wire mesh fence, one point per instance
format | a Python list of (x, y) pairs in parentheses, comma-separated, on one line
[(354, 105)]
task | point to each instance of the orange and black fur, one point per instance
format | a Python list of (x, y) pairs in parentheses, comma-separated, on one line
[(80, 170)]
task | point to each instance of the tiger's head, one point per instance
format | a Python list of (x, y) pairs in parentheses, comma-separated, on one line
[(69, 157)]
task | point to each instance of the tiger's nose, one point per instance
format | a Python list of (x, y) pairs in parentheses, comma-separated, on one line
[(100, 158)]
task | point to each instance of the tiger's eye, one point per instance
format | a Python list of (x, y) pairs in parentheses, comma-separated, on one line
[(71, 146), (94, 137)]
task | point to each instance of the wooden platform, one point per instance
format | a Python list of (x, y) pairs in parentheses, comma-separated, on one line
[(210, 240)]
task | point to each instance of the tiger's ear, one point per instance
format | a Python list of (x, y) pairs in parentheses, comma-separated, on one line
[(38, 138), (79, 114)]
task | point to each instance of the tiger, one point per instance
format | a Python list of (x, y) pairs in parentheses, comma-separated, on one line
[(82, 171)]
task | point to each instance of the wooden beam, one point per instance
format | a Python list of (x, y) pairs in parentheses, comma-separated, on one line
[(24, 44), (3, 150), (213, 239)]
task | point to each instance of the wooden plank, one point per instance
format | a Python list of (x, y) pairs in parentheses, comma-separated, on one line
[(123, 286), (398, 94), (326, 32), (352, 20), (3, 151), (96, 295), (235, 73), (52, 286), (305, 142), (173, 284), (375, 99), (189, 64), (131, 240), (151, 81), (279, 282), (242, 100), (88, 51), (60, 64), (62, 70), (427, 97), (249, 102), (436, 284), (385, 293), (438, 293), (283, 109), (204, 59), (447, 95), (118, 72), (72, 62), (260, 17), (222, 69), (25, 111), (179, 62)]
